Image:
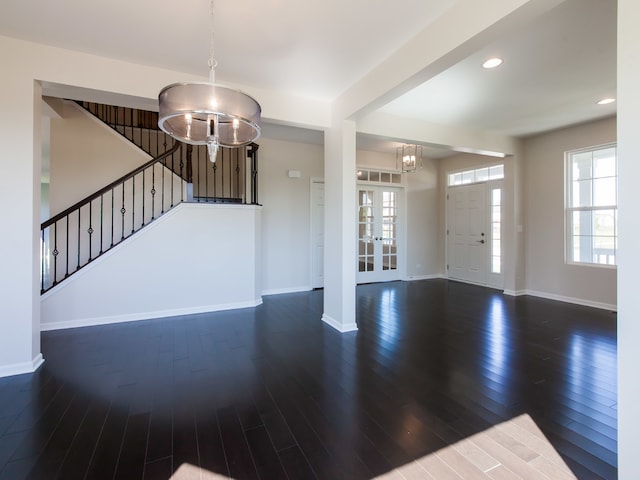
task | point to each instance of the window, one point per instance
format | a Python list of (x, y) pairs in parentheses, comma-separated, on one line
[(592, 205), (380, 177), (484, 174), (496, 230)]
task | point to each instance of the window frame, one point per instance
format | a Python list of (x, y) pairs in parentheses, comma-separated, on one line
[(569, 209)]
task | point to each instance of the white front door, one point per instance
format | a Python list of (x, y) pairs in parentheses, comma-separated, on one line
[(467, 233), (380, 217)]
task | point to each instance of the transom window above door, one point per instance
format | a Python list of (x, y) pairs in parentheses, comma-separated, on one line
[(376, 176), (477, 175)]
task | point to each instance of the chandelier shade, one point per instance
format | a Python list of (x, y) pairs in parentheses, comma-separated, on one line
[(204, 113), (409, 158), (196, 112)]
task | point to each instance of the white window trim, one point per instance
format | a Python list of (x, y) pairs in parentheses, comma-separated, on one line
[(568, 210)]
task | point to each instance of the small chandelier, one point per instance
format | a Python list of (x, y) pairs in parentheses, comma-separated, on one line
[(409, 158), (203, 113)]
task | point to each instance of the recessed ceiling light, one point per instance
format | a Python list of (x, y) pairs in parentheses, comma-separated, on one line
[(606, 101), (492, 63)]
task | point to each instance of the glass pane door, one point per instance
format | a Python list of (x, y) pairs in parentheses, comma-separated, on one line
[(389, 231), (379, 226), (365, 230)]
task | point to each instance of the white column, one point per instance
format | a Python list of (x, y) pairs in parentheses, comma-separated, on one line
[(513, 227), (629, 233), (340, 226), (20, 155)]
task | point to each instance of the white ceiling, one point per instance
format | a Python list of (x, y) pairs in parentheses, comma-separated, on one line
[(555, 68), (554, 72)]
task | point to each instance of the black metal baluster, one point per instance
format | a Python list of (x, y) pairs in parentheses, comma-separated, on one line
[(215, 181), (181, 177), (222, 159), (123, 211), (237, 158), (144, 195), (101, 222), (153, 192), (173, 169), (198, 176), (254, 174), (90, 230), (113, 209), (130, 110), (42, 257), (164, 162), (133, 204), (55, 253), (66, 273), (78, 266)]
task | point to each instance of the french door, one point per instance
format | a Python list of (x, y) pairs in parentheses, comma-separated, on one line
[(380, 227)]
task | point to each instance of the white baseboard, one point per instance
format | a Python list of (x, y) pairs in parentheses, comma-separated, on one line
[(412, 278), (341, 327), (515, 293), (21, 368), (92, 322), (577, 301), (278, 291)]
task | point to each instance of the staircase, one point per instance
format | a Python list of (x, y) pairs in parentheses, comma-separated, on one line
[(176, 173)]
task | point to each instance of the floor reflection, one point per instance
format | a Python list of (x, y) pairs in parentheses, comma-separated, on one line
[(497, 341), (516, 448), (590, 365)]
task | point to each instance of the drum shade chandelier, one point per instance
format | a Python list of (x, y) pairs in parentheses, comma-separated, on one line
[(203, 113), (409, 158)]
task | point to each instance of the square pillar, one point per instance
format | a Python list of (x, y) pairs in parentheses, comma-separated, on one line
[(340, 226)]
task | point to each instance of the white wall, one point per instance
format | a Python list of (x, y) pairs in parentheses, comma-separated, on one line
[(424, 234), (86, 156), (375, 160), (196, 258), (286, 212), (629, 254), (547, 273)]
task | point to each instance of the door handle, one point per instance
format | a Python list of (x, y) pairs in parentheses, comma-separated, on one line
[(480, 241)]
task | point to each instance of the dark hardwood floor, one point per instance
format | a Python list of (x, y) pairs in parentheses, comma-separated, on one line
[(271, 392)]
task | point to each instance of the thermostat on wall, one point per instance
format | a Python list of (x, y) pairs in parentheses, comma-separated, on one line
[(293, 173)]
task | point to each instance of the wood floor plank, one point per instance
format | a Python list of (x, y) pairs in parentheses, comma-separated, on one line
[(134, 445)]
